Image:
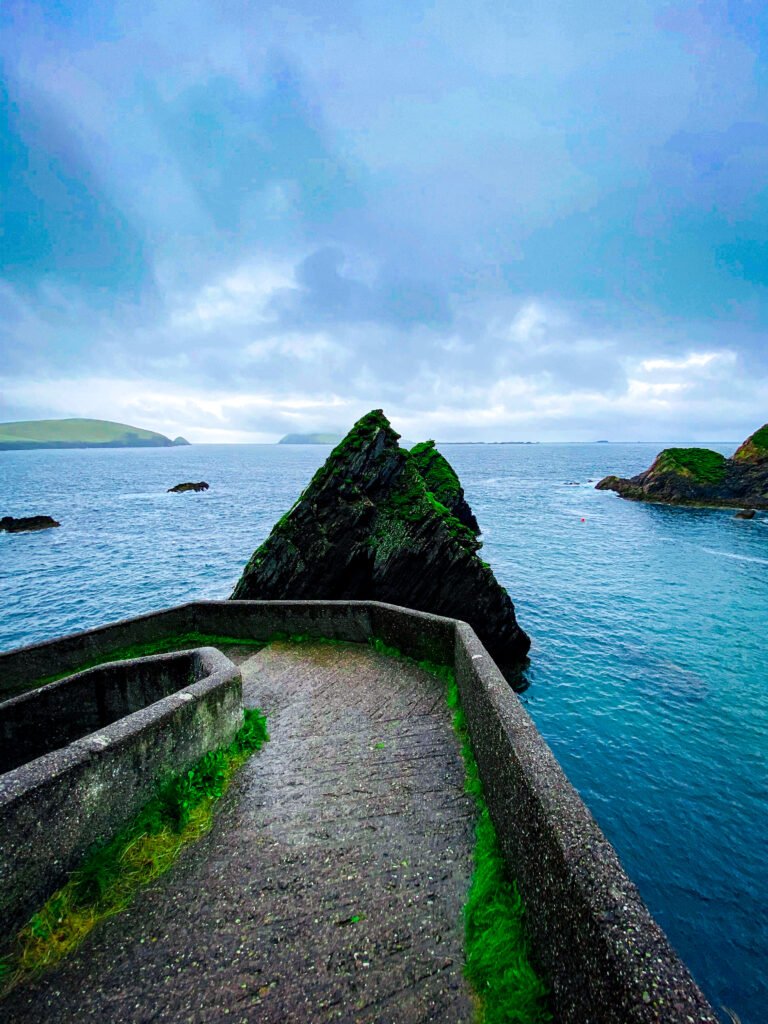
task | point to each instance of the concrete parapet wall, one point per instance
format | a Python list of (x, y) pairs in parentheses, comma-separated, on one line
[(603, 955), (54, 808)]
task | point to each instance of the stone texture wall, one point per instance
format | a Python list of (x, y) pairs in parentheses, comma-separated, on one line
[(53, 809)]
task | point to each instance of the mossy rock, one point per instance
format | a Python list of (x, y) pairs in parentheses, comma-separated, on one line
[(700, 465), (755, 448)]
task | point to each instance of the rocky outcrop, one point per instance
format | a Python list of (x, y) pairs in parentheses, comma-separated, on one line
[(25, 524), (698, 476), (367, 527), (181, 488), (440, 479)]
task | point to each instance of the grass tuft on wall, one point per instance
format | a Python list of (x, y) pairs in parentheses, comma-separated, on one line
[(179, 814), (497, 955)]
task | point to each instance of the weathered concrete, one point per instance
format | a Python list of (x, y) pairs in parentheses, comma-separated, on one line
[(354, 809), (52, 716), (55, 807), (593, 937), (604, 956)]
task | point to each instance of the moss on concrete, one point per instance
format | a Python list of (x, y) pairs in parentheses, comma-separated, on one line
[(109, 878), (497, 951)]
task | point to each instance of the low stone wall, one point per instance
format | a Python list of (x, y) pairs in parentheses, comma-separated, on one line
[(26, 666), (52, 716), (604, 957), (54, 808)]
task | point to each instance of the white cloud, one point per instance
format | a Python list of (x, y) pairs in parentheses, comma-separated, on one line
[(241, 297), (693, 361)]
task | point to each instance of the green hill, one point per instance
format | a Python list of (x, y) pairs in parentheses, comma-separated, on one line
[(77, 433)]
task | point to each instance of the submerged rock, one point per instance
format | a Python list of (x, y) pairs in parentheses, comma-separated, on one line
[(367, 527), (698, 476), (26, 523), (180, 488)]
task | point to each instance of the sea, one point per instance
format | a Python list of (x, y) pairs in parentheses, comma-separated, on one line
[(648, 671)]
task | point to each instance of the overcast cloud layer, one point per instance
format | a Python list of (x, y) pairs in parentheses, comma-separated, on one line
[(234, 220)]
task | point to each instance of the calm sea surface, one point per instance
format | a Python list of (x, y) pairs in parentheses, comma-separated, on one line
[(649, 666)]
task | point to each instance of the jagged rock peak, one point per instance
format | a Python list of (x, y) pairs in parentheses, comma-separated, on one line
[(368, 527), (440, 478)]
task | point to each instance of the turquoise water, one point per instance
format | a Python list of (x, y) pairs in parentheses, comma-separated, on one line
[(649, 668)]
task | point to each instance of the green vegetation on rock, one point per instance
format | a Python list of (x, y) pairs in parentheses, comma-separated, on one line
[(437, 473), (496, 947), (80, 433), (109, 878), (700, 464), (755, 448)]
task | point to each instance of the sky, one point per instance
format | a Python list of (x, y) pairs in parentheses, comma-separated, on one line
[(496, 221)]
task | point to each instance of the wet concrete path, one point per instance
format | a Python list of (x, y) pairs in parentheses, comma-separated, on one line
[(332, 883)]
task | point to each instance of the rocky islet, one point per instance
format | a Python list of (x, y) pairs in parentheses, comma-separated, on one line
[(699, 476)]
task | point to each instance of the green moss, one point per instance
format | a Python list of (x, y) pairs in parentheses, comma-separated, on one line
[(412, 502), (437, 473), (760, 438), (496, 947), (699, 464), (111, 875), (755, 447)]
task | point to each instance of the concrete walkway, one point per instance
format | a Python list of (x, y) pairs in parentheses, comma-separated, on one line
[(331, 886)]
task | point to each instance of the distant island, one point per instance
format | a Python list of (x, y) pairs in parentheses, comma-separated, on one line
[(26, 435), (699, 476), (333, 439)]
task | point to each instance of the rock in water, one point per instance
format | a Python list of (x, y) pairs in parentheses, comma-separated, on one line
[(698, 476), (367, 527), (181, 488), (26, 523), (746, 513), (440, 478)]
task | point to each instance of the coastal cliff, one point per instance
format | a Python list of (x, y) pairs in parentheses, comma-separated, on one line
[(368, 527), (699, 476)]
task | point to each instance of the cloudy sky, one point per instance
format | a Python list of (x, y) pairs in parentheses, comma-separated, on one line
[(495, 220)]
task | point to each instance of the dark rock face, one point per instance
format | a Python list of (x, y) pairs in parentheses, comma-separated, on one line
[(440, 479), (26, 523), (698, 476), (366, 527), (180, 488)]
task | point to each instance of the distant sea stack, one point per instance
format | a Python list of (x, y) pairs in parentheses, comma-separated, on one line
[(369, 527), (698, 476), (27, 435)]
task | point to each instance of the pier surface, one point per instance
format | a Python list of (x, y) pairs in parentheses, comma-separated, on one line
[(332, 884)]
